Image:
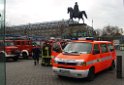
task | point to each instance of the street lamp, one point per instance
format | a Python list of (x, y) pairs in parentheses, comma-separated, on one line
[(92, 29)]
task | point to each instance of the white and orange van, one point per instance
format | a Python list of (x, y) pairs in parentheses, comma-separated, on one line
[(84, 58)]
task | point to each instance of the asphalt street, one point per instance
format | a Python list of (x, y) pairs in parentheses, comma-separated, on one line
[(23, 72)]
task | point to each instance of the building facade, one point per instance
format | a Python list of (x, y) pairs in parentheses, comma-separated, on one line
[(51, 29)]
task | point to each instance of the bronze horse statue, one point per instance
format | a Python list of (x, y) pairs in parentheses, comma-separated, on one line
[(78, 15)]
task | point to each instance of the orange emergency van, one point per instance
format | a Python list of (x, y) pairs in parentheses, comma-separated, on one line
[(84, 58)]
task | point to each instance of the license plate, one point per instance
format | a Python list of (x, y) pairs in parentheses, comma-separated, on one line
[(64, 71)]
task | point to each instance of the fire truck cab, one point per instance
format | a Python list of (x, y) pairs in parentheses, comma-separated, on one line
[(10, 51), (84, 58)]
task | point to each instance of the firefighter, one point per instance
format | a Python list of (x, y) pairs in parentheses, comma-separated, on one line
[(46, 53)]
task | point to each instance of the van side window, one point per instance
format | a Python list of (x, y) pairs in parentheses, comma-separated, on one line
[(104, 48), (110, 47), (96, 49)]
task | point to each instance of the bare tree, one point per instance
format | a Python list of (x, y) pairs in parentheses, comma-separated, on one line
[(111, 31), (98, 32)]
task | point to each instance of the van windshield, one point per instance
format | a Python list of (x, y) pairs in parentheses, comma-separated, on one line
[(78, 47)]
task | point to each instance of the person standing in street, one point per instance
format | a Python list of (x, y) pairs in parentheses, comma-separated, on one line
[(36, 54)]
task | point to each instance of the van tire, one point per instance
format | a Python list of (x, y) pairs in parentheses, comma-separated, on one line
[(91, 74), (112, 67), (24, 55)]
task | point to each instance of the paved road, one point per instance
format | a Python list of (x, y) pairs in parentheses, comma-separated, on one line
[(24, 72)]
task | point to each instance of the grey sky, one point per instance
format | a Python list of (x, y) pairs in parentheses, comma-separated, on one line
[(103, 12)]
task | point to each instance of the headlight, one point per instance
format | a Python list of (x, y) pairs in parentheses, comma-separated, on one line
[(81, 63), (56, 60)]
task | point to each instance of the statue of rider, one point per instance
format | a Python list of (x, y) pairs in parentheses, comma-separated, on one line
[(76, 9)]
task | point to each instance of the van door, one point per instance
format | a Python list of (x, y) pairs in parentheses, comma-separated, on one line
[(96, 56), (56, 49), (112, 52), (105, 56)]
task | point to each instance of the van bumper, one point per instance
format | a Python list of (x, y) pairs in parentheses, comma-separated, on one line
[(71, 72)]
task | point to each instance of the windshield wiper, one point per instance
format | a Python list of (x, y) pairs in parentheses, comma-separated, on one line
[(70, 52), (73, 52), (83, 52), (65, 52)]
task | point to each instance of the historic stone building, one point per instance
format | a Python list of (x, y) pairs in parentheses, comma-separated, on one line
[(51, 29)]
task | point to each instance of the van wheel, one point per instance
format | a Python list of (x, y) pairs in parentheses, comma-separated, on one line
[(24, 55), (91, 74), (112, 67)]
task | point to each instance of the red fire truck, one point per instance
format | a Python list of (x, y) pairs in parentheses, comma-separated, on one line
[(25, 47)]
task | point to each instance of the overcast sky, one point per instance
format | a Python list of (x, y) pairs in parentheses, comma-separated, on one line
[(103, 12)]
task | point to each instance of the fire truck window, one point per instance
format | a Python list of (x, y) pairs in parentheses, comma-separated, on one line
[(26, 43), (104, 48), (17, 43), (96, 49), (56, 48), (23, 42), (29, 43), (110, 47)]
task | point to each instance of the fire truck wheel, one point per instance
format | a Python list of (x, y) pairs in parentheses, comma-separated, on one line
[(24, 55), (91, 74), (112, 67)]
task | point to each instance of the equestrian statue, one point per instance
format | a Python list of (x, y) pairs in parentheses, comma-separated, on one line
[(75, 13)]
